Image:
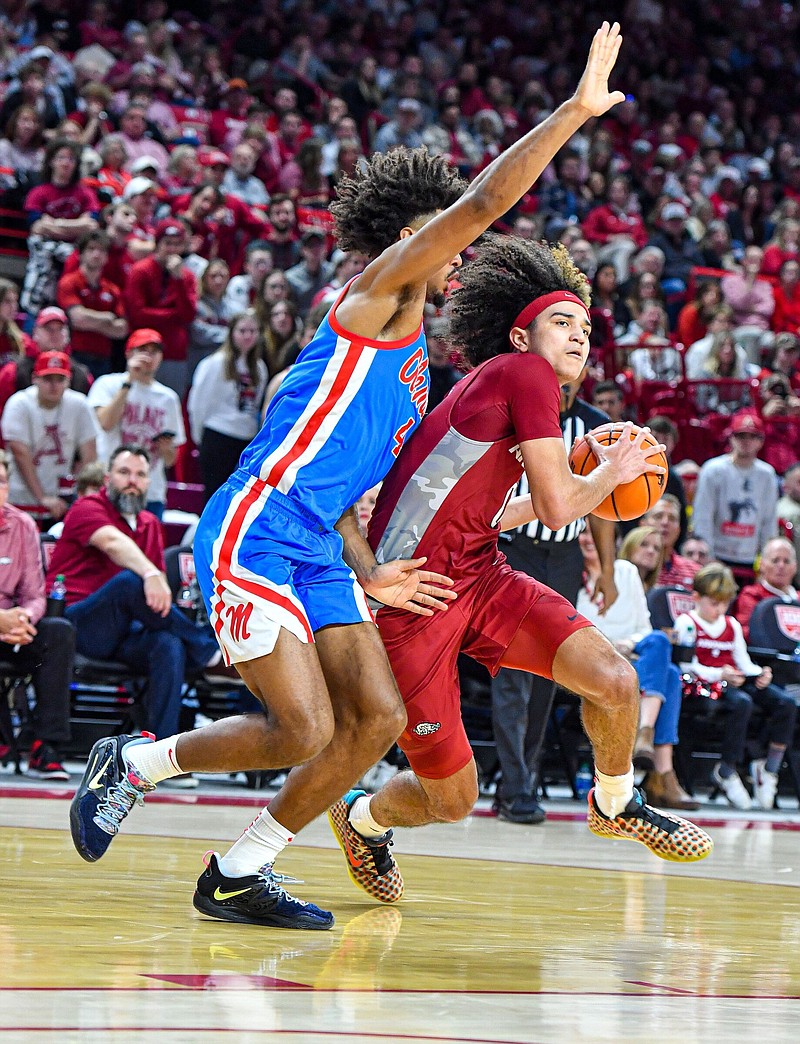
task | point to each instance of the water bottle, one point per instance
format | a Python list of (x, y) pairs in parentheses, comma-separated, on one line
[(198, 605), (685, 642), (584, 779), (57, 599), (185, 601)]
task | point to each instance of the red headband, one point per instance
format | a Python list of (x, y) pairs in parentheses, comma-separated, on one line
[(538, 305)]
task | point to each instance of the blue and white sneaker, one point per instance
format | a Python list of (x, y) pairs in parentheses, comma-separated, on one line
[(108, 791), (255, 899)]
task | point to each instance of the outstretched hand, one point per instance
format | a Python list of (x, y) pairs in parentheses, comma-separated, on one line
[(404, 585), (592, 92)]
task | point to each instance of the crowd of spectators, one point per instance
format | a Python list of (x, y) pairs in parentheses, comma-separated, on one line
[(175, 169)]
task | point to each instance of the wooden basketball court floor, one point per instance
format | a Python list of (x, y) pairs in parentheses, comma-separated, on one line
[(506, 934)]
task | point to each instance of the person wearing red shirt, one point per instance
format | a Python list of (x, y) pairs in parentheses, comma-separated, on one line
[(616, 227), (786, 317), (111, 555), (162, 295), (61, 208), (119, 218), (236, 223), (776, 570), (94, 306), (50, 334)]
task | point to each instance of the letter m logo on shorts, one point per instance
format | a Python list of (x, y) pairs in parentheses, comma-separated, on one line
[(238, 619)]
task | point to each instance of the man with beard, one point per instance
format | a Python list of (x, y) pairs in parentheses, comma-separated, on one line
[(111, 555)]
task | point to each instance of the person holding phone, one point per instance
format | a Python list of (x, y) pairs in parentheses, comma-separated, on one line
[(134, 408)]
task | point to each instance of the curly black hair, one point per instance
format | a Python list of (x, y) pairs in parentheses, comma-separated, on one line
[(394, 190), (506, 274)]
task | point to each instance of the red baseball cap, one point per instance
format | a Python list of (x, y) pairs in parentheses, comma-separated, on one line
[(169, 227), (51, 315), (52, 363), (141, 337), (211, 159), (746, 423)]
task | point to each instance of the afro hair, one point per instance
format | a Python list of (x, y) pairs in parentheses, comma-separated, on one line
[(395, 189), (506, 275)]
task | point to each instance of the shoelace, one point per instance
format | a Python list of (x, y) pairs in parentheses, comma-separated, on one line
[(381, 856), (118, 802), (273, 883)]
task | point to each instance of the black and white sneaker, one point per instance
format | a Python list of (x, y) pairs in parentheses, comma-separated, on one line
[(255, 899)]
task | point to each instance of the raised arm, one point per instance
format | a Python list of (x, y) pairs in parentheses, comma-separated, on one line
[(496, 189)]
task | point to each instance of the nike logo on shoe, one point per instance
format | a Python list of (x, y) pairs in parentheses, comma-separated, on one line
[(218, 894), (352, 858), (95, 783)]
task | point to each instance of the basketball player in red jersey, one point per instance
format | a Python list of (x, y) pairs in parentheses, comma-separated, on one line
[(447, 497)]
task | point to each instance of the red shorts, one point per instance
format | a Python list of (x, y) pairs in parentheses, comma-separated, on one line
[(482, 623)]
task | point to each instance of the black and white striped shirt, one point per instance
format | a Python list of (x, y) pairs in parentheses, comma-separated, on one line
[(578, 419)]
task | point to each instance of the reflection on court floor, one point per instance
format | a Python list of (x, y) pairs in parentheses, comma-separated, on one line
[(552, 935)]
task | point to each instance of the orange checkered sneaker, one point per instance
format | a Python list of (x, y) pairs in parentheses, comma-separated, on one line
[(370, 864), (667, 836)]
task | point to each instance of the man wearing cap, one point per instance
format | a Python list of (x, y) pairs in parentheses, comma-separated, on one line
[(402, 130), (50, 334), (681, 253), (237, 223), (737, 494), (133, 407), (162, 295), (312, 272), (230, 119), (93, 304), (46, 427)]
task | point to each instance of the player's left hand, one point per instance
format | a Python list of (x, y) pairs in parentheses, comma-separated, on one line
[(592, 92), (605, 592), (404, 585)]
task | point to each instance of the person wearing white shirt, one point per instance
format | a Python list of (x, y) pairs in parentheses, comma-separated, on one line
[(46, 427), (627, 625), (134, 409), (258, 263), (224, 401)]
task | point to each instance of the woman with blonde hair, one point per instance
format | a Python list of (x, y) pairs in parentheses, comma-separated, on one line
[(645, 548), (224, 400), (210, 326), (14, 344)]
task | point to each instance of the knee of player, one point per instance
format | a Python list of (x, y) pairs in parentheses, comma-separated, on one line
[(617, 680), (306, 736), (453, 805)]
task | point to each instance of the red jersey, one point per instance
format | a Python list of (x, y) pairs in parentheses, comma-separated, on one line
[(85, 568), (115, 270), (68, 202), (715, 652), (162, 302), (445, 494), (74, 290)]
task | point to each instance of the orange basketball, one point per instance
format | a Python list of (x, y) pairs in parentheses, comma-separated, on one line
[(631, 499)]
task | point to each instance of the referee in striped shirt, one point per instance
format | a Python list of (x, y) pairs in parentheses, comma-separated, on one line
[(521, 701)]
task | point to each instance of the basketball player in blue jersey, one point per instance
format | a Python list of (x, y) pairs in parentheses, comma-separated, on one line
[(279, 557)]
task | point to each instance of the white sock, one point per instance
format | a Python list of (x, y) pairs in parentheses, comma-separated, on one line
[(612, 793), (155, 761), (361, 819), (261, 843)]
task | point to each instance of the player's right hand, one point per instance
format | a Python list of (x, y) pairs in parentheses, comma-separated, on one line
[(629, 457), (592, 93)]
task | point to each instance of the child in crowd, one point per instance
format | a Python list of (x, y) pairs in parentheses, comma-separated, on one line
[(720, 654)]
